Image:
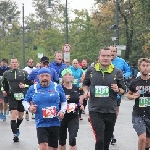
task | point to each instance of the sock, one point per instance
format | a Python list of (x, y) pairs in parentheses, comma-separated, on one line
[(19, 122), (14, 126), (146, 148), (27, 112)]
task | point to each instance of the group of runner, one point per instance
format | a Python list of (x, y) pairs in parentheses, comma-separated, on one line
[(57, 94)]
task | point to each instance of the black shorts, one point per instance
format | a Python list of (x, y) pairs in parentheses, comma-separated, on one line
[(72, 125), (48, 135), (141, 125), (15, 104), (6, 99)]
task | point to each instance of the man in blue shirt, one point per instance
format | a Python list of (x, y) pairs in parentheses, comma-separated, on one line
[(58, 65), (44, 99), (44, 62), (121, 64)]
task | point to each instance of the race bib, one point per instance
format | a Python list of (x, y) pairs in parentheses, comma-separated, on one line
[(71, 107), (49, 112), (101, 91), (144, 101), (75, 81), (60, 80), (18, 96)]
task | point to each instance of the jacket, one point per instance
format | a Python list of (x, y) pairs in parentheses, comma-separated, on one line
[(123, 66), (102, 97), (58, 67)]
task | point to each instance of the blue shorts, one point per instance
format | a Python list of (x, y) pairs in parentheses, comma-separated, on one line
[(141, 125)]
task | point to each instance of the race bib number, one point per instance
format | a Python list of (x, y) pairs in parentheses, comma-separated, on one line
[(101, 91), (144, 101), (75, 81), (71, 107), (49, 112), (60, 80), (18, 96)]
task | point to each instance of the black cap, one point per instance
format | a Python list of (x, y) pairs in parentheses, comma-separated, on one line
[(44, 59), (4, 59)]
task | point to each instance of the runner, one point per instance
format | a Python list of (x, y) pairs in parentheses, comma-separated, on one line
[(46, 97), (84, 69), (4, 106), (28, 69), (139, 90), (67, 62), (104, 82), (44, 62), (58, 64), (71, 117), (121, 64), (77, 79), (17, 81)]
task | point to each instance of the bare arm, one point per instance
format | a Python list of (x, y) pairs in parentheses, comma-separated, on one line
[(86, 89)]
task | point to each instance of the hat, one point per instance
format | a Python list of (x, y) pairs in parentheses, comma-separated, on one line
[(65, 71), (44, 70), (4, 59), (44, 59)]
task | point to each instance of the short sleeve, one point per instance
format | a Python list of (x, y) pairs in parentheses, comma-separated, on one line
[(132, 86)]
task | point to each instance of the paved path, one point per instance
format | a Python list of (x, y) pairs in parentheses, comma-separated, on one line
[(124, 133)]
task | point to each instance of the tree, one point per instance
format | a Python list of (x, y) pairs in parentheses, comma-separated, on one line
[(8, 8)]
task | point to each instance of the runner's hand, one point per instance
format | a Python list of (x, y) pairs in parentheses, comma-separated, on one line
[(4, 93), (33, 108), (114, 87), (136, 95), (21, 85), (60, 115)]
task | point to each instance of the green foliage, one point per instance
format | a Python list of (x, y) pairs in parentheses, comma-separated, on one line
[(87, 32)]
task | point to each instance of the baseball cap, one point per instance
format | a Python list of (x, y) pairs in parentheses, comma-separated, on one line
[(44, 59), (4, 59), (44, 70)]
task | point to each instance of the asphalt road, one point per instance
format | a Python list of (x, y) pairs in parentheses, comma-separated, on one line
[(124, 133)]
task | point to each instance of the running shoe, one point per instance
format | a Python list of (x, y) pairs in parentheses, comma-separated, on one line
[(16, 139), (113, 140), (4, 118), (80, 118), (1, 116)]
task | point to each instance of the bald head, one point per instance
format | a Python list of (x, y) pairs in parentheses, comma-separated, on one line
[(75, 63)]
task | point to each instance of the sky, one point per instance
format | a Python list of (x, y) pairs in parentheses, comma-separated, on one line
[(75, 4)]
